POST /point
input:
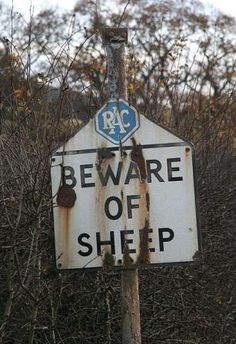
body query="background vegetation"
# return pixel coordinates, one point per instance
(181, 73)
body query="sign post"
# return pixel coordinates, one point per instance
(124, 192)
(115, 40)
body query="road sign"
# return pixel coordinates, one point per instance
(116, 121)
(123, 203)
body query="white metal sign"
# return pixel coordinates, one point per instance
(120, 204)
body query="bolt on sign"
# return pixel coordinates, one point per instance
(124, 193)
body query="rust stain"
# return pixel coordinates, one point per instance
(143, 191)
(108, 261)
(66, 196)
(104, 153)
(187, 151)
(137, 157)
(148, 201)
(104, 157)
(64, 215)
(143, 257)
(127, 260)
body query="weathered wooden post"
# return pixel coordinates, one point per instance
(115, 40)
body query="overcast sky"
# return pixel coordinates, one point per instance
(225, 6)
(22, 6)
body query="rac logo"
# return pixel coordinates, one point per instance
(116, 121)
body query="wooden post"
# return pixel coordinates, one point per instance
(115, 40)
(131, 333)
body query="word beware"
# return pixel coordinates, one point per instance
(88, 173)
